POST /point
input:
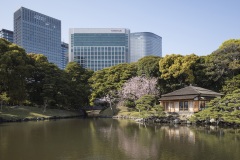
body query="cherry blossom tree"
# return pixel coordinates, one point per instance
(137, 87)
(110, 98)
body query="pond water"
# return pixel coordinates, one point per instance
(112, 139)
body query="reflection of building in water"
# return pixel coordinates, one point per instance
(180, 133)
(136, 144)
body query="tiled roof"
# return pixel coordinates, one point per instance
(192, 90)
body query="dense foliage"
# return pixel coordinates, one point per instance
(30, 79)
(108, 81)
(177, 71)
(222, 64)
(226, 109)
(148, 66)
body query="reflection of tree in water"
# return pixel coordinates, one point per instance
(135, 141)
(108, 139)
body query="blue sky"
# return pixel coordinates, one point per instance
(186, 26)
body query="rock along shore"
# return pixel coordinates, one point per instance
(176, 120)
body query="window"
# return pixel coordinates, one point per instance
(180, 106)
(186, 106)
(183, 106)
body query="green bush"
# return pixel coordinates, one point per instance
(129, 103)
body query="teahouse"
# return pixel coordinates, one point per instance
(187, 100)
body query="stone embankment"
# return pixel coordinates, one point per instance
(155, 119)
(178, 120)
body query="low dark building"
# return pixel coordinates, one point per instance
(6, 34)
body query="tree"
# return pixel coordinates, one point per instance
(137, 87)
(177, 70)
(35, 80)
(110, 98)
(3, 98)
(148, 66)
(78, 82)
(145, 103)
(159, 110)
(201, 79)
(110, 80)
(47, 84)
(225, 109)
(14, 69)
(223, 63)
(231, 85)
(52, 86)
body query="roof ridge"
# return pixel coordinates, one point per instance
(191, 90)
(194, 88)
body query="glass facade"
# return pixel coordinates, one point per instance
(38, 33)
(64, 48)
(6, 34)
(144, 44)
(96, 49)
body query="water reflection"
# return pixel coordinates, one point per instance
(179, 133)
(136, 142)
(90, 139)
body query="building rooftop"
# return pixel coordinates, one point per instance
(190, 92)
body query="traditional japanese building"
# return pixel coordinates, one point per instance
(189, 99)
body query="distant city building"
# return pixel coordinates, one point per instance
(64, 48)
(97, 48)
(144, 44)
(38, 33)
(6, 34)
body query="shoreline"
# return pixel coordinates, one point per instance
(64, 114)
(38, 119)
(137, 120)
(175, 121)
(28, 113)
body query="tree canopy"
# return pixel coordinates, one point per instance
(148, 66)
(222, 109)
(110, 79)
(177, 70)
(14, 69)
(223, 63)
(31, 79)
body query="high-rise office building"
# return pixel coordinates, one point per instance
(38, 33)
(64, 48)
(6, 34)
(144, 44)
(97, 48)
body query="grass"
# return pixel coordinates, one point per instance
(120, 111)
(123, 111)
(14, 113)
(108, 111)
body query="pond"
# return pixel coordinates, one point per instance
(112, 139)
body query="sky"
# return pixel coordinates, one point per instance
(186, 26)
